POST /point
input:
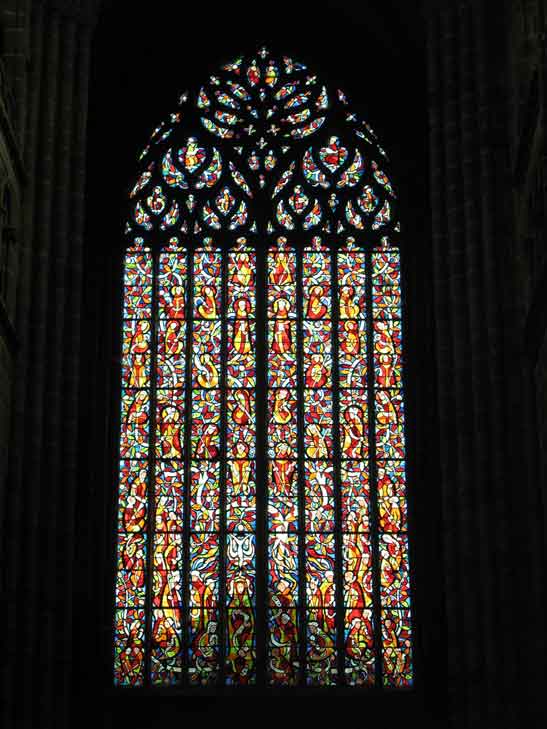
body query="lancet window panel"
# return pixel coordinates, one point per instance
(262, 510)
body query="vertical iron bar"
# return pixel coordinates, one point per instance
(337, 464)
(149, 577)
(261, 461)
(223, 535)
(301, 612)
(373, 474)
(185, 612)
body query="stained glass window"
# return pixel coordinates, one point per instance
(262, 509)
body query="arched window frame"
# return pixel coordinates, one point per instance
(367, 233)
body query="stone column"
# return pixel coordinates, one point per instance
(479, 346)
(42, 471)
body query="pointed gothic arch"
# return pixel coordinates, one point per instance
(262, 498)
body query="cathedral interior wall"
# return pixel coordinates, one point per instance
(457, 91)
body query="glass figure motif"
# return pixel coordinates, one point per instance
(283, 489)
(262, 526)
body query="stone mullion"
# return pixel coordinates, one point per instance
(444, 343)
(14, 508)
(54, 473)
(37, 379)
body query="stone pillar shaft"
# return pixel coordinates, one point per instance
(481, 407)
(43, 483)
